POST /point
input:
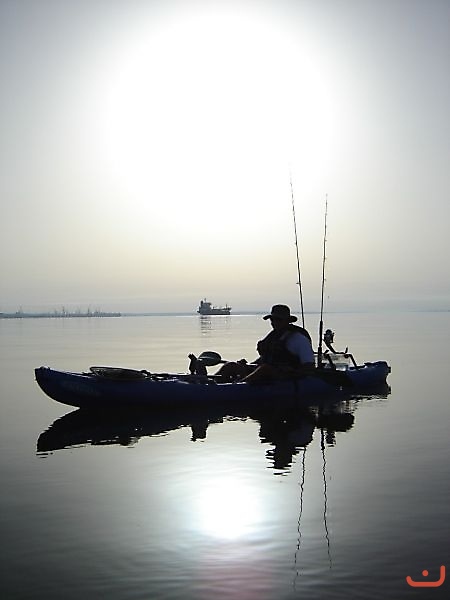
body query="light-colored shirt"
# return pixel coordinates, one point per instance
(300, 346)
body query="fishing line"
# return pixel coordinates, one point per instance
(299, 282)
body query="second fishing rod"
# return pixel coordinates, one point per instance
(319, 349)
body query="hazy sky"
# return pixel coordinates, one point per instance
(146, 149)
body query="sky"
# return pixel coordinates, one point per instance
(147, 151)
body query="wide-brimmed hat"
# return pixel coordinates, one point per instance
(281, 311)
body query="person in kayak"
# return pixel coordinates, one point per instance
(286, 351)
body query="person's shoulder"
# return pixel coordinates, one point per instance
(297, 330)
(298, 340)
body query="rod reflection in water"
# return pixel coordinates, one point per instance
(299, 522)
(325, 495)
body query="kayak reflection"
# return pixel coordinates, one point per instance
(285, 429)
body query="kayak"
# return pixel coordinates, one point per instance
(108, 388)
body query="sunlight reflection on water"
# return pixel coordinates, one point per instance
(228, 508)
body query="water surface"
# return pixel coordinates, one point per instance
(342, 505)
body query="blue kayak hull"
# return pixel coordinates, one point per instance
(93, 392)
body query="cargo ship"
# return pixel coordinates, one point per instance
(206, 308)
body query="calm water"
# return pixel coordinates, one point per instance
(174, 507)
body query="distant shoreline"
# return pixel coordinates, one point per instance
(60, 315)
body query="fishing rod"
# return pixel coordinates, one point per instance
(319, 350)
(298, 259)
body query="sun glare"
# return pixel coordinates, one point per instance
(204, 110)
(228, 508)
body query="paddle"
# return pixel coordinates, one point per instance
(210, 358)
(332, 376)
(198, 364)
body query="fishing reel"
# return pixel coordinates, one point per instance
(328, 336)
